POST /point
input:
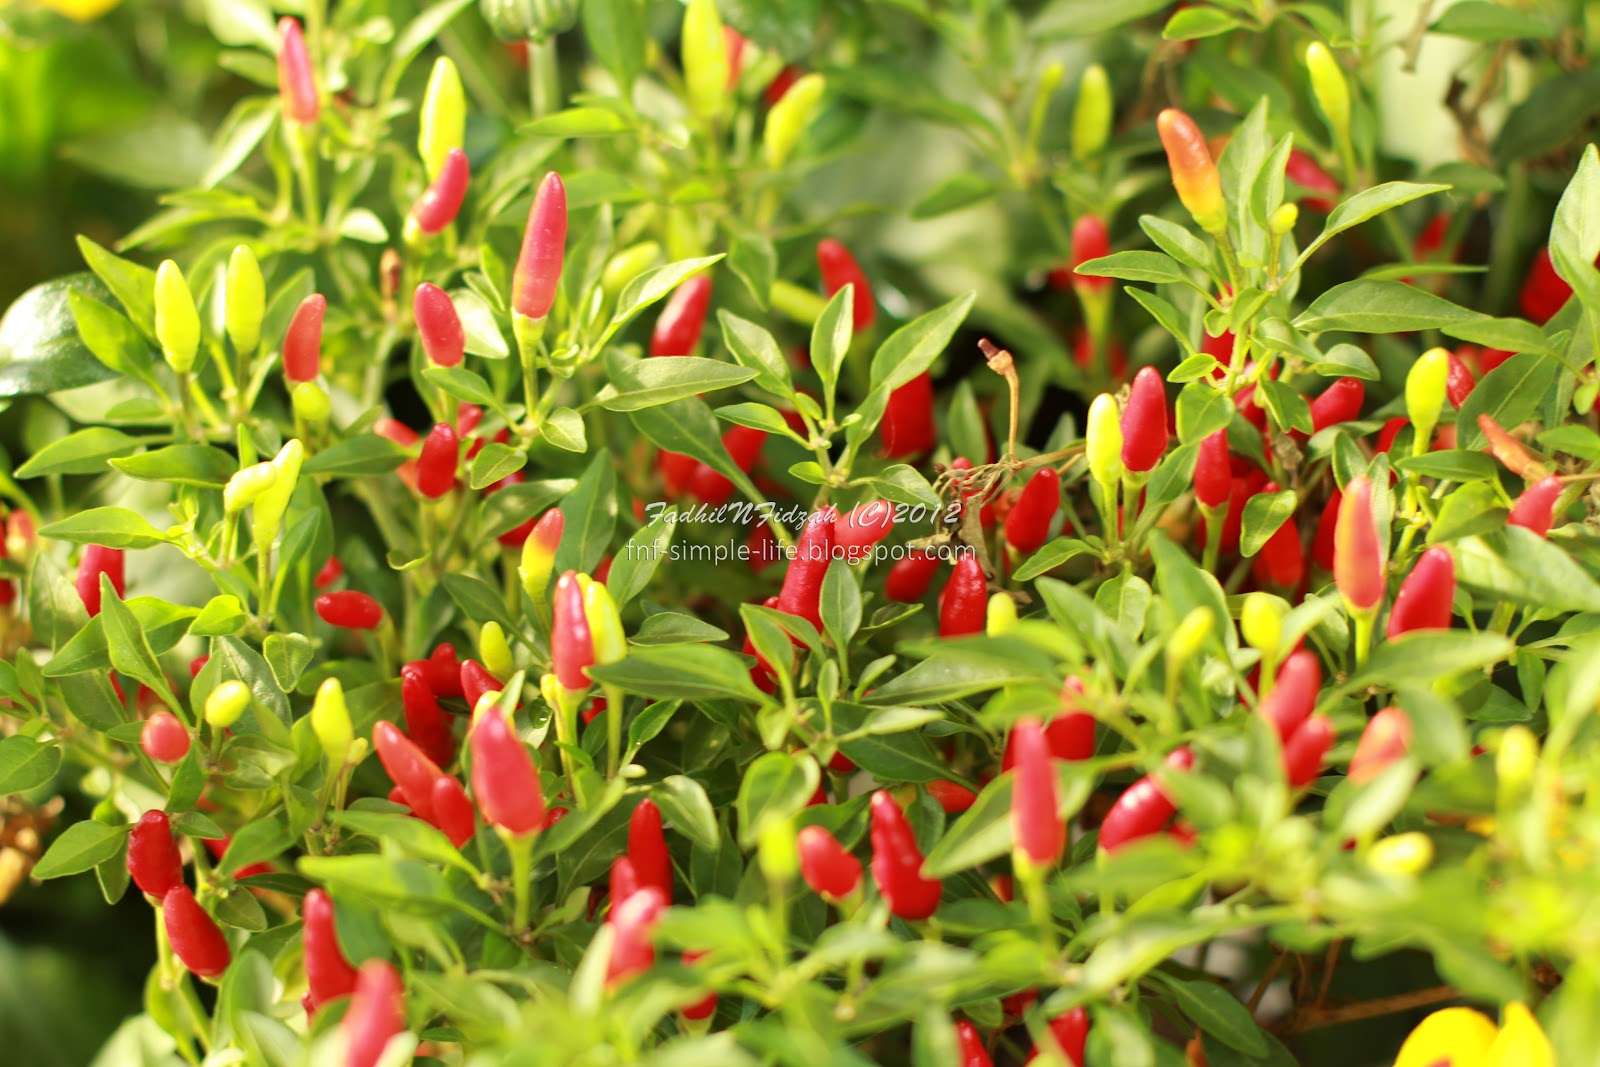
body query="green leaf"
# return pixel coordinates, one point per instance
(688, 427)
(110, 335)
(1575, 231)
(648, 382)
(1519, 566)
(615, 30)
(83, 452)
(954, 194)
(912, 348)
(1346, 361)
(564, 429)
(590, 511)
(1217, 1012)
(651, 286)
(754, 262)
(463, 385)
(1513, 335)
(577, 122)
(1363, 206)
(1452, 465)
(684, 803)
(495, 462)
(1510, 394)
(287, 655)
(260, 839)
(112, 527)
(40, 350)
(26, 763)
(81, 847)
(1051, 556)
(1427, 655)
(1087, 18)
(830, 337)
(477, 601)
(693, 672)
(1367, 306)
(1555, 108)
(753, 347)
(1480, 20)
(775, 787)
(632, 568)
(1192, 23)
(1135, 267)
(946, 677)
(363, 454)
(402, 884)
(200, 466)
(841, 603)
(983, 832)
(410, 835)
(1202, 411)
(1264, 513)
(222, 616)
(133, 284)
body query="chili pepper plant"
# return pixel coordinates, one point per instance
(740, 533)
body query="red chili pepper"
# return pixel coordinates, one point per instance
(1282, 560)
(1071, 1032)
(504, 777)
(1508, 449)
(302, 342)
(438, 325)
(908, 428)
(1071, 733)
(1306, 173)
(297, 86)
(1322, 541)
(196, 939)
(95, 561)
(969, 1047)
(897, 862)
(862, 527)
(571, 643)
(218, 847)
(1390, 431)
(164, 738)
(1535, 509)
(377, 1014)
(408, 767)
(910, 577)
(1083, 354)
(1340, 402)
(1358, 548)
(1294, 694)
(678, 329)
(964, 603)
(439, 204)
(1036, 827)
(953, 797)
(839, 269)
(1384, 742)
(762, 673)
(153, 858)
(544, 243)
(1459, 383)
(1028, 522)
(706, 1007)
(827, 867)
(329, 975)
(1305, 751)
(1142, 809)
(733, 43)
(197, 665)
(1213, 473)
(1194, 173)
(632, 948)
(647, 849)
(1544, 292)
(624, 881)
(329, 573)
(1425, 599)
(440, 669)
(677, 472)
(743, 445)
(779, 85)
(436, 467)
(349, 609)
(426, 722)
(762, 547)
(801, 593)
(1144, 421)
(1090, 240)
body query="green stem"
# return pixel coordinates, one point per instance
(521, 848)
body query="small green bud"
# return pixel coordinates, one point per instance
(1261, 622)
(177, 320)
(1002, 615)
(1401, 856)
(1425, 393)
(797, 304)
(273, 501)
(705, 58)
(330, 721)
(1514, 763)
(1189, 636)
(628, 264)
(1283, 219)
(1329, 87)
(1103, 440)
(244, 300)
(776, 851)
(226, 703)
(494, 650)
(1091, 115)
(310, 403)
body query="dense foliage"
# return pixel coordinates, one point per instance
(797, 533)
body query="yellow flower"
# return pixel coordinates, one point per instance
(1461, 1037)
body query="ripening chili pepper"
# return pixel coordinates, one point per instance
(226, 703)
(908, 428)
(964, 602)
(544, 242)
(953, 797)
(1425, 599)
(330, 722)
(1460, 382)
(624, 881)
(1322, 541)
(153, 860)
(302, 342)
(792, 101)
(1294, 694)
(633, 923)
(1036, 826)
(1359, 549)
(1305, 751)
(442, 670)
(1193, 171)
(1142, 809)
(436, 466)
(678, 329)
(1329, 88)
(377, 1014)
(1090, 240)
(1427, 385)
(163, 738)
(452, 810)
(1535, 509)
(1385, 741)
(244, 300)
(272, 502)
(970, 1051)
(862, 527)
(442, 121)
(1001, 615)
(1213, 473)
(827, 867)
(839, 269)
(1071, 1033)
(331, 572)
(426, 722)
(177, 320)
(1281, 562)
(1510, 451)
(1340, 402)
(329, 974)
(95, 561)
(706, 1006)
(475, 680)
(440, 202)
(1544, 292)
(297, 86)
(505, 779)
(196, 939)
(408, 767)
(647, 849)
(1028, 522)
(801, 593)
(1103, 440)
(1305, 172)
(897, 862)
(571, 643)
(1144, 422)
(1391, 431)
(539, 553)
(910, 577)
(349, 609)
